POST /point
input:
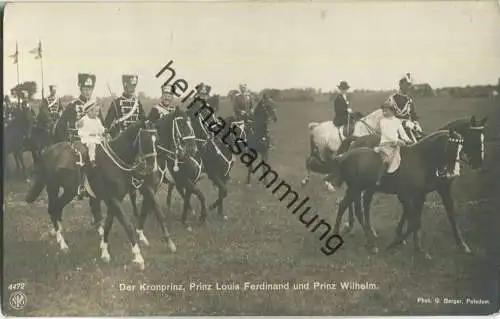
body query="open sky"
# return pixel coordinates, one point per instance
(280, 45)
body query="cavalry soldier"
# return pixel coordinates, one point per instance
(28, 114)
(50, 110)
(404, 105)
(243, 103)
(7, 110)
(75, 109)
(341, 105)
(125, 109)
(166, 105)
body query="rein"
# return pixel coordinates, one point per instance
(108, 150)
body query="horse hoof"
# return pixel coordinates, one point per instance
(189, 229)
(224, 217)
(65, 249)
(100, 231)
(193, 212)
(142, 238)
(465, 249)
(172, 246)
(404, 242)
(105, 258)
(304, 182)
(139, 262)
(373, 249)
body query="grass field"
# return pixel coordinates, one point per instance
(262, 241)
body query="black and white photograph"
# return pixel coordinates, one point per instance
(251, 158)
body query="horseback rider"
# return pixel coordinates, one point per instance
(341, 105)
(243, 103)
(166, 105)
(50, 110)
(90, 130)
(125, 109)
(29, 114)
(7, 110)
(75, 109)
(405, 106)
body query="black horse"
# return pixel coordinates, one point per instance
(254, 130)
(17, 133)
(418, 174)
(132, 153)
(472, 153)
(215, 152)
(179, 162)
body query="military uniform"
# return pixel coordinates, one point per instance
(124, 110)
(162, 109)
(76, 108)
(243, 103)
(50, 110)
(405, 106)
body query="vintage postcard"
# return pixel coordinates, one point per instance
(251, 158)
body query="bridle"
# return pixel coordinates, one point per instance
(464, 158)
(178, 148)
(140, 159)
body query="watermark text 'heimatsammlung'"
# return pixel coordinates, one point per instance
(332, 242)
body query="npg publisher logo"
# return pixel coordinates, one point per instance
(17, 300)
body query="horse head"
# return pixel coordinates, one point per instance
(176, 135)
(472, 131)
(441, 150)
(145, 144)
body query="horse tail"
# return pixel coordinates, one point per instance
(38, 186)
(312, 125)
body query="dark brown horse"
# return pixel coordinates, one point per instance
(472, 154)
(130, 154)
(418, 174)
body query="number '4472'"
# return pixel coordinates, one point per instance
(16, 286)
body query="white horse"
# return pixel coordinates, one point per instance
(326, 138)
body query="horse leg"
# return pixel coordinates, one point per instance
(149, 202)
(399, 228)
(95, 209)
(219, 203)
(105, 256)
(367, 201)
(133, 199)
(169, 195)
(445, 193)
(129, 229)
(21, 169)
(192, 189)
(186, 198)
(349, 197)
(413, 224)
(66, 197)
(417, 245)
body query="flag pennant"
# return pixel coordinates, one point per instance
(37, 51)
(15, 56)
